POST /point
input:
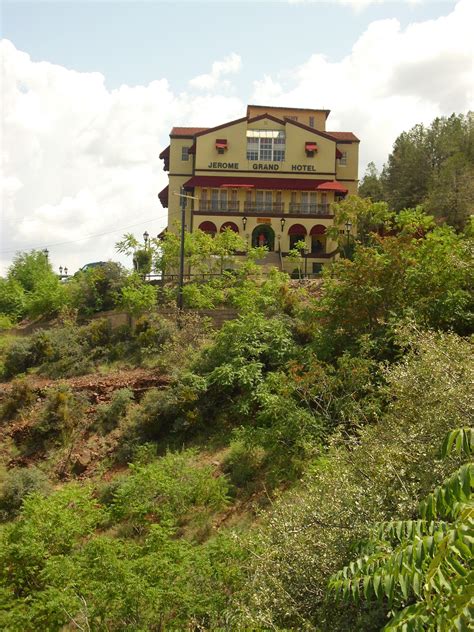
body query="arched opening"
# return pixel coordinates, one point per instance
(318, 239)
(208, 227)
(230, 225)
(263, 235)
(297, 233)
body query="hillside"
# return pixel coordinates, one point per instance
(174, 476)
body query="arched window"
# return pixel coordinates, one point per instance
(318, 239)
(208, 227)
(297, 233)
(230, 225)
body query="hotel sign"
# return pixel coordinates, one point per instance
(261, 166)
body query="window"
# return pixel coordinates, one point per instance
(184, 153)
(343, 158)
(311, 121)
(266, 145)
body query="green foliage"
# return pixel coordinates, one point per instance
(110, 414)
(371, 185)
(31, 287)
(168, 489)
(433, 165)
(136, 296)
(243, 463)
(426, 561)
(20, 397)
(12, 298)
(373, 475)
(429, 280)
(15, 485)
(96, 289)
(61, 412)
(365, 216)
(47, 526)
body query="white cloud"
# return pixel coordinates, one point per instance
(80, 160)
(392, 79)
(227, 66)
(360, 5)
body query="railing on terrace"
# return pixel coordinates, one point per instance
(309, 209)
(217, 206)
(277, 208)
(262, 207)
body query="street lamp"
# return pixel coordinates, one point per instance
(61, 270)
(244, 221)
(146, 236)
(46, 253)
(348, 226)
(65, 271)
(306, 252)
(282, 222)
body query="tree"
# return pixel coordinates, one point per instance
(142, 255)
(364, 215)
(422, 568)
(31, 287)
(371, 185)
(97, 289)
(434, 166)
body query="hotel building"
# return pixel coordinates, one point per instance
(271, 176)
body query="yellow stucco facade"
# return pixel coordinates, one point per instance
(271, 176)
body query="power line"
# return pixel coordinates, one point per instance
(74, 241)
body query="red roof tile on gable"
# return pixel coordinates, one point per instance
(186, 131)
(343, 135)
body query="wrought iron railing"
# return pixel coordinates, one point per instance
(217, 206)
(309, 209)
(263, 207)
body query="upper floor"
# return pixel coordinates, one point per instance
(288, 142)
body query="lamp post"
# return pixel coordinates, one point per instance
(65, 271)
(348, 226)
(60, 271)
(282, 223)
(244, 221)
(46, 253)
(146, 237)
(306, 251)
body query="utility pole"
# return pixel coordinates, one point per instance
(182, 202)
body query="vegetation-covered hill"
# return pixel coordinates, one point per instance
(306, 467)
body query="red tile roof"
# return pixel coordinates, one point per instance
(186, 131)
(343, 135)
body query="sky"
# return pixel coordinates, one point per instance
(90, 91)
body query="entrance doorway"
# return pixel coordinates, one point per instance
(263, 235)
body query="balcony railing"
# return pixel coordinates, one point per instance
(217, 206)
(274, 208)
(263, 207)
(309, 209)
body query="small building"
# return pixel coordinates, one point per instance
(271, 176)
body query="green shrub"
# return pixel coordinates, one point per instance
(168, 488)
(20, 396)
(61, 413)
(15, 485)
(243, 463)
(110, 414)
(18, 358)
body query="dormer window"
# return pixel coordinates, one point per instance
(266, 145)
(221, 145)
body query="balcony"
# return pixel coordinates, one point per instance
(216, 206)
(309, 209)
(275, 209)
(262, 207)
